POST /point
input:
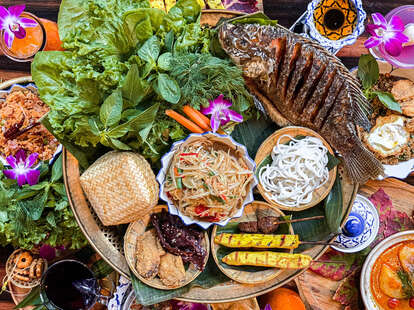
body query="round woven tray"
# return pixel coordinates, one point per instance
(108, 241)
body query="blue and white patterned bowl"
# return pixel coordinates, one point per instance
(334, 45)
(32, 87)
(166, 160)
(369, 213)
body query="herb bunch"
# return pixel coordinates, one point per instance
(32, 215)
(368, 74)
(203, 77)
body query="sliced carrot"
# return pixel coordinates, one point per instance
(201, 119)
(183, 121)
(197, 117)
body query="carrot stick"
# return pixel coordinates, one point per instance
(183, 121)
(197, 117)
(201, 119)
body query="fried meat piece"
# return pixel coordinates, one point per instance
(171, 271)
(148, 252)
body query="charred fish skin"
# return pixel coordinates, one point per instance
(301, 83)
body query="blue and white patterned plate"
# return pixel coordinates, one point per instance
(334, 45)
(32, 87)
(369, 213)
(166, 160)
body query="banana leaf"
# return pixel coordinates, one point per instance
(147, 295)
(253, 132)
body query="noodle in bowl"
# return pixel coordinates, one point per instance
(298, 168)
(207, 179)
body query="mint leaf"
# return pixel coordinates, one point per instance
(168, 88)
(119, 145)
(111, 109)
(93, 124)
(135, 89)
(50, 218)
(368, 71)
(169, 41)
(57, 171)
(387, 99)
(150, 50)
(164, 61)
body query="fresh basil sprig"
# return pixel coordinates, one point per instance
(368, 73)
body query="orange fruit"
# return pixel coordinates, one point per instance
(53, 42)
(282, 299)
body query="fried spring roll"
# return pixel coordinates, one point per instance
(258, 241)
(268, 259)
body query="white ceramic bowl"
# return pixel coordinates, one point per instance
(367, 297)
(166, 160)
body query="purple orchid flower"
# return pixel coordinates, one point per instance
(21, 168)
(390, 34)
(220, 112)
(13, 25)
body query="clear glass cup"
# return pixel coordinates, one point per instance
(25, 49)
(406, 58)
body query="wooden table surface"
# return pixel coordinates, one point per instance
(285, 11)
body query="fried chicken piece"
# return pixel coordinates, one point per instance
(148, 252)
(171, 271)
(403, 92)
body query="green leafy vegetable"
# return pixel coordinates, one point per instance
(407, 283)
(203, 77)
(37, 214)
(117, 64)
(388, 101)
(368, 73)
(333, 206)
(168, 88)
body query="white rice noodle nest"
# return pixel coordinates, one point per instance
(298, 169)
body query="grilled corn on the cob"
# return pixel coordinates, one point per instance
(268, 259)
(258, 241)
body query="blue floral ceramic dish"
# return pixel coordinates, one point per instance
(166, 160)
(356, 239)
(326, 8)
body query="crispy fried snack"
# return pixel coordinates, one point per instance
(149, 252)
(171, 271)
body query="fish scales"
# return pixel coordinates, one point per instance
(300, 83)
(300, 75)
(329, 102)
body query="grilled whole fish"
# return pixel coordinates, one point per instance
(300, 83)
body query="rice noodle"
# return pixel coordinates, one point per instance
(298, 169)
(206, 182)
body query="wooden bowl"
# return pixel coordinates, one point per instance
(138, 228)
(236, 273)
(266, 148)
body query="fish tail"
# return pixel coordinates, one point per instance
(362, 164)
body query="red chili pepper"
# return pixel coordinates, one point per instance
(189, 154)
(200, 209)
(411, 303)
(223, 197)
(211, 219)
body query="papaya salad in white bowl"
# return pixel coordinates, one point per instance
(207, 179)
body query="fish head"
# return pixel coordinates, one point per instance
(243, 44)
